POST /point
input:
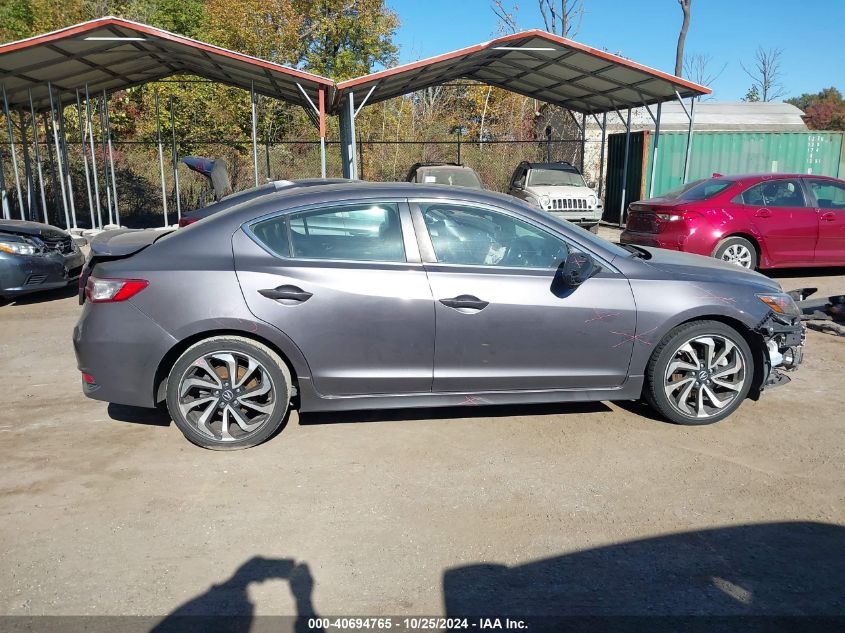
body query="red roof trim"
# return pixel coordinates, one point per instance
(85, 27)
(351, 83)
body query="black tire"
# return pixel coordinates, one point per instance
(657, 380)
(272, 366)
(737, 250)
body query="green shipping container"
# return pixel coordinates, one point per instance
(717, 152)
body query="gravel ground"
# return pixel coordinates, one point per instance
(594, 508)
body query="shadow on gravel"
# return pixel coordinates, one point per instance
(43, 296)
(743, 574)
(227, 607)
(138, 415)
(821, 271)
(450, 413)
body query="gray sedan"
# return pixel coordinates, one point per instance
(373, 296)
(36, 257)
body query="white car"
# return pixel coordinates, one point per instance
(559, 189)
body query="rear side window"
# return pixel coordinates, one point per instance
(273, 234)
(700, 190)
(361, 232)
(773, 193)
(829, 194)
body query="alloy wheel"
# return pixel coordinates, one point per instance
(705, 375)
(226, 395)
(738, 254)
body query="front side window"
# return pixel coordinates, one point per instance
(474, 236)
(539, 177)
(829, 194)
(773, 193)
(361, 232)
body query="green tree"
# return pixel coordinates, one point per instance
(753, 94)
(824, 110)
(346, 38)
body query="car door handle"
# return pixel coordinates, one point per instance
(827, 217)
(465, 301)
(763, 213)
(291, 293)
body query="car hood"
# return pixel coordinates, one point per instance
(678, 265)
(35, 229)
(561, 191)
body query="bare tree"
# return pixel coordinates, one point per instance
(563, 17)
(698, 68)
(682, 37)
(507, 17)
(766, 75)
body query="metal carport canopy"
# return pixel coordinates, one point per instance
(112, 54)
(535, 64)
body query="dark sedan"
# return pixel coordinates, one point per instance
(36, 257)
(371, 296)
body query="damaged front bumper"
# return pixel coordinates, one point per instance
(783, 337)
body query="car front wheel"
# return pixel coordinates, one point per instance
(699, 373)
(228, 392)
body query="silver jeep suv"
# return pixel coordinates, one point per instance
(559, 189)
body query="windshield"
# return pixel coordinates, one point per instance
(554, 178)
(698, 190)
(446, 176)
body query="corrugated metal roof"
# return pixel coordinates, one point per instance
(112, 54)
(535, 64)
(719, 116)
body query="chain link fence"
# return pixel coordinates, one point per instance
(141, 199)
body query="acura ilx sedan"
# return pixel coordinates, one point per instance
(372, 296)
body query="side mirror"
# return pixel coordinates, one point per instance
(577, 268)
(519, 184)
(592, 185)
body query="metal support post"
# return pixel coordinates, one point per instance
(160, 159)
(84, 153)
(10, 129)
(689, 139)
(111, 157)
(175, 159)
(71, 201)
(252, 101)
(104, 149)
(347, 138)
(654, 153)
(601, 152)
(625, 169)
(58, 149)
(37, 157)
(90, 125)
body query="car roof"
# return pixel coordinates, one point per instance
(766, 176)
(560, 165)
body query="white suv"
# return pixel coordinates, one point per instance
(559, 189)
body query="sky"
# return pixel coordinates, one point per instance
(811, 34)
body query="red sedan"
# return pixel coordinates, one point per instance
(754, 221)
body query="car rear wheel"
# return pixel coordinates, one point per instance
(737, 250)
(699, 373)
(228, 392)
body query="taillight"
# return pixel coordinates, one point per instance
(111, 290)
(183, 222)
(668, 217)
